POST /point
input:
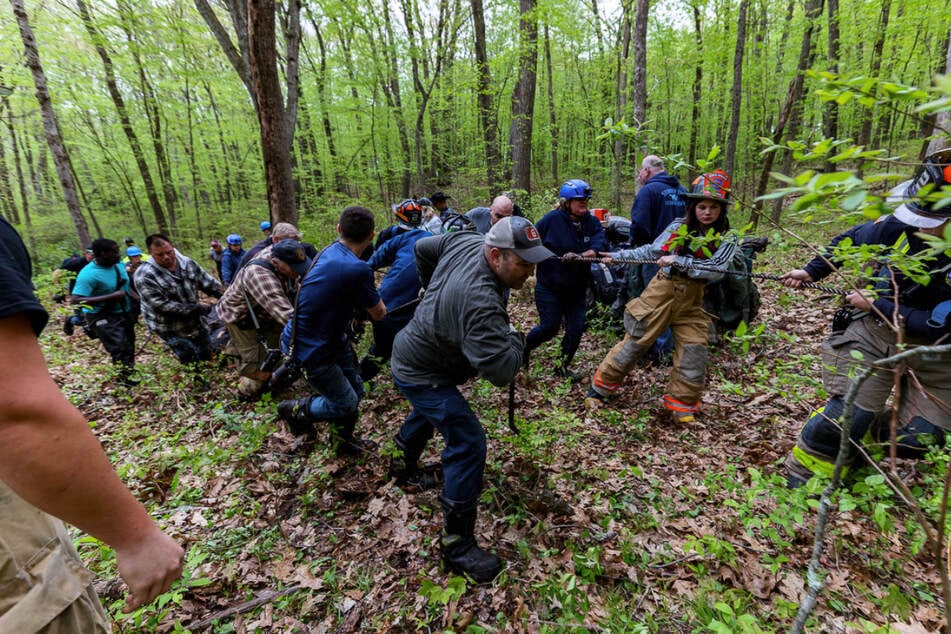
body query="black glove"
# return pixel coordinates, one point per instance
(204, 309)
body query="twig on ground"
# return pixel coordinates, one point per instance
(267, 597)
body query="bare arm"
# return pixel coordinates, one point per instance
(51, 459)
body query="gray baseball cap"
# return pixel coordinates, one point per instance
(519, 235)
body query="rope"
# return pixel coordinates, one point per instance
(699, 267)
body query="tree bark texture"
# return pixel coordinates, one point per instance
(793, 96)
(117, 99)
(523, 98)
(488, 120)
(275, 134)
(50, 124)
(736, 93)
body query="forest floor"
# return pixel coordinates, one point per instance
(610, 520)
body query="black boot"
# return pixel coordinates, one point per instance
(406, 470)
(562, 370)
(282, 378)
(296, 413)
(345, 442)
(460, 553)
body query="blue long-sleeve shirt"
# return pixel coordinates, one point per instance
(401, 283)
(562, 234)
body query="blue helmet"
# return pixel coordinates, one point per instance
(265, 225)
(234, 238)
(575, 188)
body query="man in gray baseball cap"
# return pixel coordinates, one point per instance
(460, 330)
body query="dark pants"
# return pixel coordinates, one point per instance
(553, 309)
(191, 349)
(338, 385)
(443, 408)
(116, 331)
(380, 350)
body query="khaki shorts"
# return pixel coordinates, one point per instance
(43, 584)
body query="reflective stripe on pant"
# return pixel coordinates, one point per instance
(666, 303)
(43, 584)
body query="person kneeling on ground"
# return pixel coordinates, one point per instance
(265, 286)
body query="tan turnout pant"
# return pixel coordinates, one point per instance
(667, 302)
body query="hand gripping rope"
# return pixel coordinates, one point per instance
(699, 267)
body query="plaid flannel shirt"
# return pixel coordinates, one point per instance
(167, 298)
(266, 288)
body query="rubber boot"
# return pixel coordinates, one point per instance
(296, 413)
(344, 441)
(460, 553)
(406, 470)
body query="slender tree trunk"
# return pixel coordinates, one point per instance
(8, 202)
(640, 62)
(275, 135)
(830, 113)
(697, 86)
(223, 185)
(620, 103)
(50, 124)
(488, 120)
(736, 95)
(199, 196)
(551, 110)
(793, 96)
(875, 65)
(111, 84)
(941, 136)
(523, 98)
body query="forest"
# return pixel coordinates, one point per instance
(201, 119)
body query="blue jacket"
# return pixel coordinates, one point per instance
(563, 235)
(658, 203)
(230, 263)
(401, 283)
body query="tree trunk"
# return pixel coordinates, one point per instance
(830, 113)
(8, 203)
(523, 97)
(942, 127)
(620, 104)
(97, 41)
(488, 120)
(153, 111)
(875, 65)
(551, 110)
(793, 96)
(640, 62)
(275, 134)
(697, 87)
(50, 124)
(736, 96)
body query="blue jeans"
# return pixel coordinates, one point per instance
(553, 309)
(339, 386)
(443, 408)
